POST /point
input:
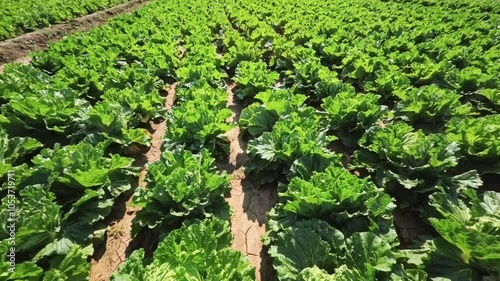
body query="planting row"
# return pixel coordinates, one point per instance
(18, 17)
(183, 202)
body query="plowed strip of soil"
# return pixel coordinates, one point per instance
(18, 47)
(118, 236)
(22, 60)
(250, 202)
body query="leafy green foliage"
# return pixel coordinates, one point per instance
(86, 179)
(307, 72)
(433, 64)
(23, 16)
(358, 66)
(293, 137)
(415, 160)
(315, 274)
(132, 269)
(312, 247)
(38, 218)
(72, 266)
(239, 49)
(193, 73)
(445, 262)
(478, 139)
(488, 100)
(341, 199)
(13, 151)
(145, 106)
(200, 122)
(253, 77)
(18, 78)
(84, 166)
(41, 235)
(261, 116)
(109, 120)
(351, 114)
(52, 110)
(430, 104)
(470, 225)
(180, 185)
(329, 85)
(389, 82)
(200, 64)
(28, 271)
(199, 250)
(306, 244)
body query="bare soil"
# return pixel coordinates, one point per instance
(19, 47)
(410, 227)
(250, 202)
(118, 236)
(21, 60)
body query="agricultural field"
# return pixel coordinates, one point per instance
(21, 16)
(261, 140)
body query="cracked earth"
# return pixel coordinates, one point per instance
(118, 236)
(249, 201)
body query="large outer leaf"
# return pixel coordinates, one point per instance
(369, 253)
(472, 225)
(261, 117)
(38, 218)
(307, 244)
(13, 149)
(446, 263)
(200, 122)
(430, 104)
(73, 266)
(26, 271)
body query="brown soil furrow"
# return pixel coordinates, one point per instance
(21, 60)
(249, 202)
(19, 47)
(118, 237)
(159, 130)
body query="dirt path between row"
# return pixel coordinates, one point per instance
(118, 237)
(249, 202)
(17, 49)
